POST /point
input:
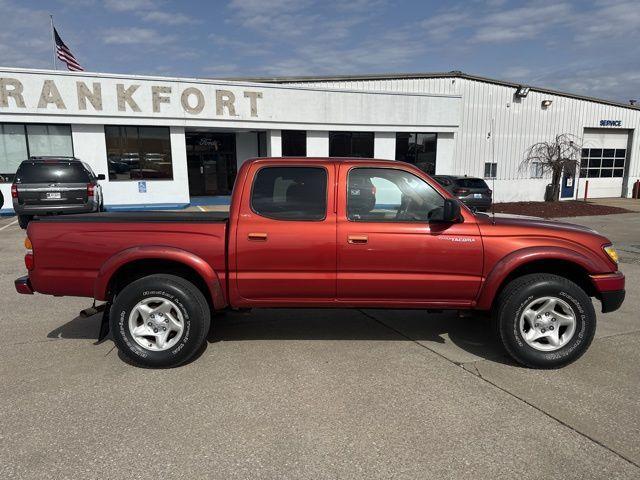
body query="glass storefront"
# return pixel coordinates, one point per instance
(18, 142)
(418, 149)
(138, 153)
(351, 144)
(211, 162)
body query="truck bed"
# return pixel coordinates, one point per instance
(139, 217)
(74, 251)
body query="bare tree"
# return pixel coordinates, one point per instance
(562, 154)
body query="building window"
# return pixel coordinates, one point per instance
(602, 162)
(290, 193)
(490, 169)
(294, 143)
(351, 144)
(418, 149)
(138, 153)
(18, 142)
(537, 170)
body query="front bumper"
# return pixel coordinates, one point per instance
(610, 290)
(23, 285)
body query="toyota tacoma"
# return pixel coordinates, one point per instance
(342, 233)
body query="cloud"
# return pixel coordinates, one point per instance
(167, 18)
(133, 36)
(128, 5)
(520, 23)
(25, 38)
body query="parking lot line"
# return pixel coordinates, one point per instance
(9, 224)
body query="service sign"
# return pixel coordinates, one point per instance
(610, 123)
(99, 98)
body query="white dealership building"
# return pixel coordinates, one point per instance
(167, 142)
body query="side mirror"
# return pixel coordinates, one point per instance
(101, 176)
(448, 213)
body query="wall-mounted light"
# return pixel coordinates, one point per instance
(522, 91)
(546, 103)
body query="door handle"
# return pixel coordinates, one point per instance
(357, 239)
(258, 236)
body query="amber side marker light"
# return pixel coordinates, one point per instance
(611, 253)
(29, 261)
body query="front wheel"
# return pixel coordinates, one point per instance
(159, 321)
(545, 321)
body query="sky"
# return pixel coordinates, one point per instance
(589, 47)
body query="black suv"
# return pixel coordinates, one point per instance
(53, 185)
(474, 192)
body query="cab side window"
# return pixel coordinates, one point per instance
(390, 195)
(290, 193)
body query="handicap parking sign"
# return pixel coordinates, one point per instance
(142, 187)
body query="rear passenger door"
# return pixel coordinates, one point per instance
(286, 235)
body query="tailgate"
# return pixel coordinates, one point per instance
(52, 194)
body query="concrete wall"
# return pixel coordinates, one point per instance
(384, 146)
(246, 146)
(317, 143)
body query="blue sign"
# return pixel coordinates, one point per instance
(142, 187)
(610, 123)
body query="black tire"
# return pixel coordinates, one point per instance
(23, 221)
(521, 292)
(188, 299)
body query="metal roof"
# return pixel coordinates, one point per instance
(406, 76)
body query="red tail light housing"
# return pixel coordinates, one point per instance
(460, 191)
(14, 190)
(90, 189)
(29, 261)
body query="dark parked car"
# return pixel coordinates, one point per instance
(474, 192)
(54, 185)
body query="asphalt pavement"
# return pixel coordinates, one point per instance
(296, 394)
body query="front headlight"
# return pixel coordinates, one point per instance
(611, 252)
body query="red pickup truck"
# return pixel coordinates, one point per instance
(310, 232)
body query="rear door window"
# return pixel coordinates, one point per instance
(290, 193)
(471, 183)
(54, 172)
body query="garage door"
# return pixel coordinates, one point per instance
(604, 154)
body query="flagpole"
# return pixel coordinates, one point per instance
(53, 39)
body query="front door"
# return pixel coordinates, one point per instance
(388, 250)
(568, 181)
(286, 234)
(211, 163)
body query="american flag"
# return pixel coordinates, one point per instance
(65, 55)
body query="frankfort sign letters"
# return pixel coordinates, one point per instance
(90, 96)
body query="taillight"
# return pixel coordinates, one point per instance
(29, 261)
(489, 191)
(90, 189)
(373, 190)
(14, 190)
(460, 191)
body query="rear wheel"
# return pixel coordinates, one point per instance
(159, 321)
(545, 321)
(23, 221)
